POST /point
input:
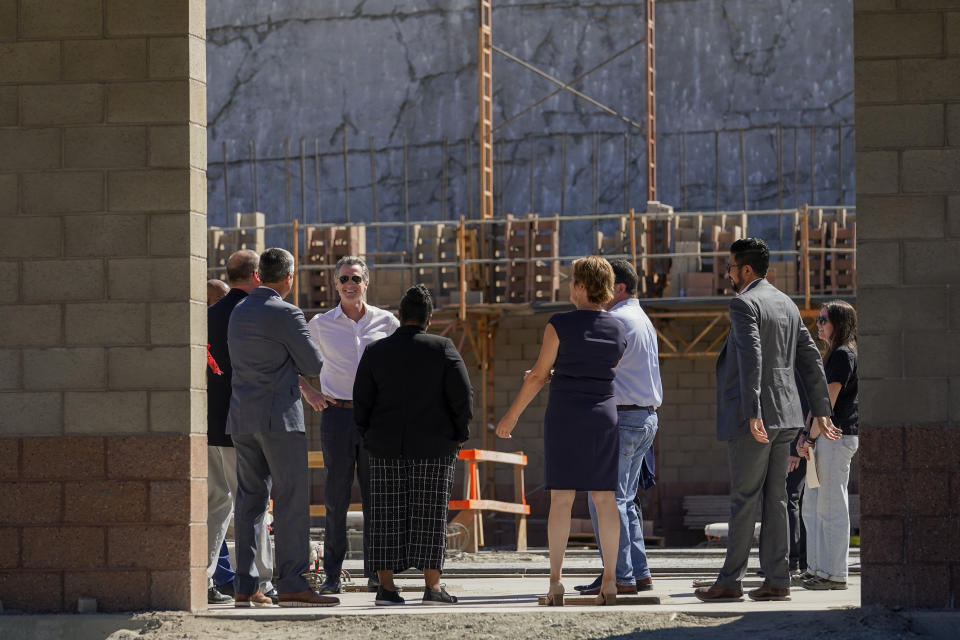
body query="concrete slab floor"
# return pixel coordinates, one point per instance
(519, 595)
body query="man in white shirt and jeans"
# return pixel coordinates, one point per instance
(637, 388)
(341, 335)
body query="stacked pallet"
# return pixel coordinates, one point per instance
(523, 278)
(248, 233)
(324, 247)
(831, 271)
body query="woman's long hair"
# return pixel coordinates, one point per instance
(843, 317)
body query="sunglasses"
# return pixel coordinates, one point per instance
(355, 278)
(821, 320)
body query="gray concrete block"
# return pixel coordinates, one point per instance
(62, 104)
(105, 147)
(64, 368)
(931, 353)
(900, 34)
(150, 368)
(30, 414)
(892, 309)
(62, 192)
(10, 377)
(953, 215)
(878, 172)
(29, 148)
(931, 262)
(31, 325)
(178, 411)
(113, 59)
(106, 323)
(929, 79)
(899, 217)
(882, 401)
(901, 125)
(879, 263)
(880, 355)
(9, 106)
(63, 280)
(930, 171)
(875, 81)
(9, 282)
(102, 412)
(54, 19)
(107, 235)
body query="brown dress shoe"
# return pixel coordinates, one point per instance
(766, 592)
(716, 593)
(244, 600)
(644, 584)
(307, 598)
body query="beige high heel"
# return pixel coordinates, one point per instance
(606, 598)
(555, 595)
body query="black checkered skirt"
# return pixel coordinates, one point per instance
(408, 512)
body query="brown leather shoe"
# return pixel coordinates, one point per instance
(644, 584)
(622, 589)
(244, 600)
(307, 598)
(766, 592)
(716, 593)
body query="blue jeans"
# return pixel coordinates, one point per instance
(637, 431)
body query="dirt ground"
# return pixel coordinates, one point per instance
(842, 624)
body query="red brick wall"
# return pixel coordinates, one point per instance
(910, 501)
(119, 519)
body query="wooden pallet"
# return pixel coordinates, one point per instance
(592, 600)
(325, 246)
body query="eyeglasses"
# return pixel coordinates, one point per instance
(821, 320)
(732, 265)
(355, 278)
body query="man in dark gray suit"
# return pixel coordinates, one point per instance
(270, 348)
(758, 414)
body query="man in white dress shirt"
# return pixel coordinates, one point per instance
(341, 335)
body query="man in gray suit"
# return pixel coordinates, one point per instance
(758, 414)
(270, 348)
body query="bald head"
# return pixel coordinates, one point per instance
(242, 269)
(216, 289)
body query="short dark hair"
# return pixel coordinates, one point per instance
(241, 265)
(351, 260)
(625, 273)
(754, 252)
(275, 265)
(416, 305)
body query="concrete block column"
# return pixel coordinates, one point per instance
(907, 72)
(102, 300)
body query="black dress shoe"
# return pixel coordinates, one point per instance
(215, 597)
(330, 586)
(593, 586)
(226, 588)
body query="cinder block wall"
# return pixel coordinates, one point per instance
(102, 301)
(907, 69)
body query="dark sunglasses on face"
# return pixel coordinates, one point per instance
(821, 320)
(357, 279)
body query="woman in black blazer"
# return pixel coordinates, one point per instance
(412, 402)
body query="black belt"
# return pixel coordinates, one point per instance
(634, 407)
(343, 404)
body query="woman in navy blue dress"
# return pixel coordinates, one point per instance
(581, 440)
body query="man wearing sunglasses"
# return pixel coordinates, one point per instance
(759, 415)
(342, 334)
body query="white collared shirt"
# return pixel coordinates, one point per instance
(341, 342)
(637, 377)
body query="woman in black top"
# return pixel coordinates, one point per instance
(412, 403)
(826, 509)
